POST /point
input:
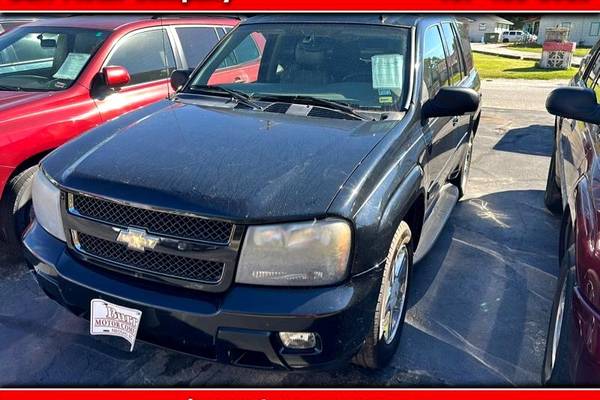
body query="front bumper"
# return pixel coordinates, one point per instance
(238, 327)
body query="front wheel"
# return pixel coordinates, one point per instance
(382, 342)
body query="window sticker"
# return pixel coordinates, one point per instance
(387, 71)
(72, 65)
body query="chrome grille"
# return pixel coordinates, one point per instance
(150, 261)
(157, 222)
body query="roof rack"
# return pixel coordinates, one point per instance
(203, 14)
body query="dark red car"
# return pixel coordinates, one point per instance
(573, 190)
(60, 77)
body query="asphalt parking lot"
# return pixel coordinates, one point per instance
(479, 302)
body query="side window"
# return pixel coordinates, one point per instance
(453, 54)
(435, 69)
(147, 56)
(463, 31)
(593, 70)
(196, 43)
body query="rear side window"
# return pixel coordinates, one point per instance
(463, 32)
(147, 56)
(435, 69)
(453, 54)
(594, 66)
(196, 43)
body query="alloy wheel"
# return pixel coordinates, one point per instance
(395, 299)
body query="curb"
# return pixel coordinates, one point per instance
(525, 56)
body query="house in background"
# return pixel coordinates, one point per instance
(479, 25)
(584, 29)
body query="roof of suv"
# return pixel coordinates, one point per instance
(371, 19)
(114, 22)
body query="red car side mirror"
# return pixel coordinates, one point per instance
(115, 76)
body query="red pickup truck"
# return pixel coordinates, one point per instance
(60, 77)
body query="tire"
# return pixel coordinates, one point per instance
(555, 368)
(382, 342)
(15, 209)
(505, 40)
(462, 179)
(552, 195)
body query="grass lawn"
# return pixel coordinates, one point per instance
(502, 67)
(536, 48)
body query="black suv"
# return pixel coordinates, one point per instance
(268, 216)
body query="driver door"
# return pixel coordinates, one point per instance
(148, 57)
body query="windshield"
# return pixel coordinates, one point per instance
(362, 66)
(45, 59)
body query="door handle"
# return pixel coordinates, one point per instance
(238, 79)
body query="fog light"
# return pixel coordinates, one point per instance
(298, 340)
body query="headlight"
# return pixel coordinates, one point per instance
(46, 205)
(296, 254)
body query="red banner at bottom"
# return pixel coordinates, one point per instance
(296, 394)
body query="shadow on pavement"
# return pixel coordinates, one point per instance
(532, 139)
(486, 291)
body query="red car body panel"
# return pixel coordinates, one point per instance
(34, 123)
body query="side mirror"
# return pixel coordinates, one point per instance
(451, 101)
(574, 103)
(179, 77)
(115, 76)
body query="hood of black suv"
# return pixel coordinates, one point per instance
(234, 164)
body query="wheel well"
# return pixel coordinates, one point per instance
(30, 162)
(414, 218)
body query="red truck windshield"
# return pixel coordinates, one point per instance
(45, 59)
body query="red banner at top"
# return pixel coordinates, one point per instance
(247, 6)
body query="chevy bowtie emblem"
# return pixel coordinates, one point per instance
(137, 239)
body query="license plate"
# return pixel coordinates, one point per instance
(114, 320)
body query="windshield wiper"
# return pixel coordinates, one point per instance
(313, 101)
(238, 95)
(11, 88)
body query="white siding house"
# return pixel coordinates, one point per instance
(479, 25)
(584, 28)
